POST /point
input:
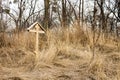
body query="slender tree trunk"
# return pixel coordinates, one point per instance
(104, 26)
(82, 12)
(1, 16)
(79, 12)
(119, 10)
(64, 16)
(46, 22)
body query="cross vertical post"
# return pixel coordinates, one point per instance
(37, 40)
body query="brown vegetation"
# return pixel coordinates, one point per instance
(65, 54)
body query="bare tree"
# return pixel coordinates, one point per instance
(64, 14)
(82, 12)
(1, 16)
(119, 10)
(20, 18)
(47, 14)
(79, 11)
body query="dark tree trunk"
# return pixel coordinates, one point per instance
(102, 14)
(46, 22)
(119, 10)
(1, 16)
(82, 12)
(64, 16)
(79, 12)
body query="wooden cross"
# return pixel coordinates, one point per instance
(36, 28)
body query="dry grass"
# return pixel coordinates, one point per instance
(65, 54)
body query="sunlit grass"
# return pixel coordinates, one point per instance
(63, 47)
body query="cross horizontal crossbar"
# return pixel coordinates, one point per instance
(37, 31)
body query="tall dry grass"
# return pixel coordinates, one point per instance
(63, 47)
(59, 40)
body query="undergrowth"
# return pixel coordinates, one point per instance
(61, 46)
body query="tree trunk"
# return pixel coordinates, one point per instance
(102, 14)
(119, 10)
(64, 16)
(82, 12)
(1, 16)
(79, 12)
(46, 22)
